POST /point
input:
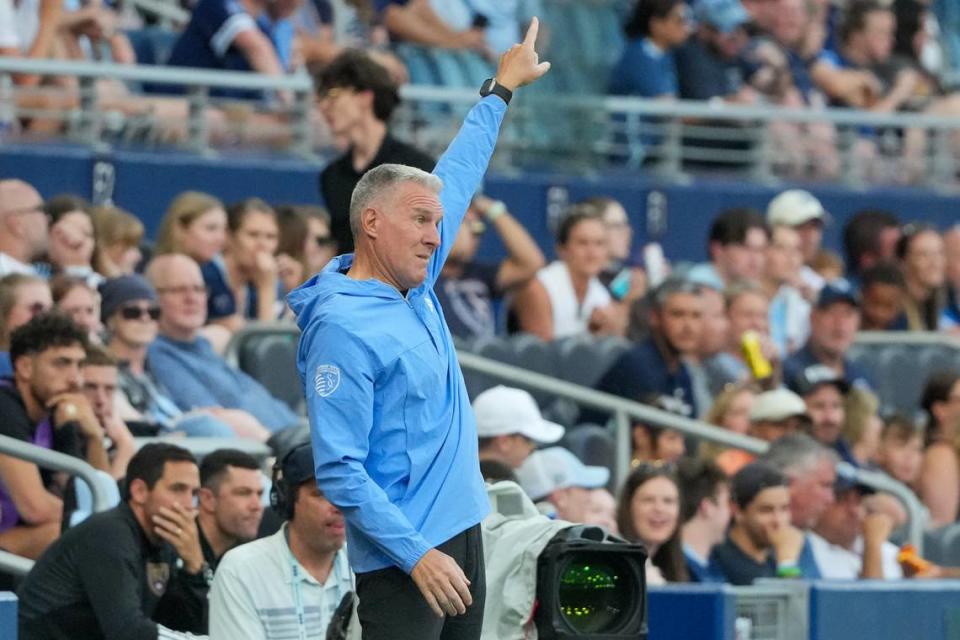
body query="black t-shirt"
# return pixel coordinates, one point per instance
(339, 178)
(737, 568)
(103, 579)
(467, 301)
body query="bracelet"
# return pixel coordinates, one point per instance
(495, 210)
(788, 571)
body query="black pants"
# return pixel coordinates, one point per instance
(392, 607)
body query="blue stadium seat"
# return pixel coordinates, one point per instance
(419, 64)
(152, 45)
(594, 445)
(268, 353)
(584, 359)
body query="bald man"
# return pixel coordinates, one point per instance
(23, 227)
(183, 361)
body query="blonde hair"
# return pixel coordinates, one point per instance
(185, 208)
(113, 226)
(859, 406)
(718, 411)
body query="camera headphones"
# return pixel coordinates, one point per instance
(281, 499)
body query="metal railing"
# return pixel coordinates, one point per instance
(201, 447)
(624, 410)
(585, 133)
(48, 459)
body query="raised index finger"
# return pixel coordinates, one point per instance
(532, 30)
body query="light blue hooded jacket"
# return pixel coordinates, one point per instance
(394, 438)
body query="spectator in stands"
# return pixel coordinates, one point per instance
(622, 276)
(920, 252)
(43, 405)
(357, 96)
(229, 509)
(71, 238)
(654, 443)
(647, 67)
(417, 22)
(761, 542)
(649, 513)
(467, 287)
(828, 265)
(602, 511)
(824, 393)
(869, 238)
(100, 387)
(714, 337)
(655, 367)
(862, 426)
(252, 595)
(184, 362)
(130, 313)
(774, 414)
(23, 223)
(950, 320)
(748, 311)
(243, 284)
(803, 211)
(732, 408)
(883, 290)
(195, 224)
(225, 35)
(567, 298)
(510, 426)
(834, 322)
(850, 540)
(75, 297)
(22, 296)
(707, 65)
(810, 469)
(305, 245)
(901, 450)
(737, 248)
(705, 514)
(105, 577)
(939, 485)
(30, 30)
(558, 479)
(789, 311)
(118, 235)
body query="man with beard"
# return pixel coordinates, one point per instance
(43, 405)
(293, 579)
(656, 367)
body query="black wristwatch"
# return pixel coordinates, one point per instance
(490, 86)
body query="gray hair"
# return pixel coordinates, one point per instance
(380, 179)
(670, 287)
(797, 453)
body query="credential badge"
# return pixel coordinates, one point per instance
(326, 380)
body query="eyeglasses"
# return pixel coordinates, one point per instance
(323, 241)
(136, 312)
(183, 290)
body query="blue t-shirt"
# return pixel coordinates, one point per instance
(281, 35)
(221, 303)
(644, 70)
(703, 75)
(196, 377)
(6, 366)
(793, 367)
(467, 301)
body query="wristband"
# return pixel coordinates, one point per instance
(788, 571)
(495, 210)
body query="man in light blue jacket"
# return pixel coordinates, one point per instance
(394, 439)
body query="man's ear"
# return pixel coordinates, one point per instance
(139, 491)
(23, 367)
(370, 220)
(207, 499)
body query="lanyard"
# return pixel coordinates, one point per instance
(297, 593)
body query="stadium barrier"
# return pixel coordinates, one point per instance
(202, 447)
(673, 139)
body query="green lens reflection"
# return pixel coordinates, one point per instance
(593, 595)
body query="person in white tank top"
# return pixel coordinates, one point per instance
(567, 298)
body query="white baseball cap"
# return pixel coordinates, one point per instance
(794, 207)
(504, 410)
(776, 405)
(547, 470)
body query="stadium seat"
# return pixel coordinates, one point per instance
(152, 45)
(268, 353)
(594, 445)
(584, 359)
(419, 64)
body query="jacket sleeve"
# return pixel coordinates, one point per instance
(461, 168)
(339, 375)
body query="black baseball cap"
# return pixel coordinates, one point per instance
(297, 465)
(813, 377)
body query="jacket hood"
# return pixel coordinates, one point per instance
(332, 280)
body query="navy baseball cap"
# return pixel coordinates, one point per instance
(298, 465)
(839, 290)
(813, 377)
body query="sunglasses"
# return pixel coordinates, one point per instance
(137, 312)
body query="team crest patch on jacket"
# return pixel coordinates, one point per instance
(326, 380)
(158, 573)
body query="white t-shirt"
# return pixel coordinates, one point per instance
(8, 27)
(9, 264)
(837, 563)
(254, 593)
(569, 316)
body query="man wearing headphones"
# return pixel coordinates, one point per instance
(294, 578)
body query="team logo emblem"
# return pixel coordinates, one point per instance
(158, 573)
(326, 380)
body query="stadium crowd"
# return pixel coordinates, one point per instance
(106, 335)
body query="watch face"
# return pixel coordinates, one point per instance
(488, 85)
